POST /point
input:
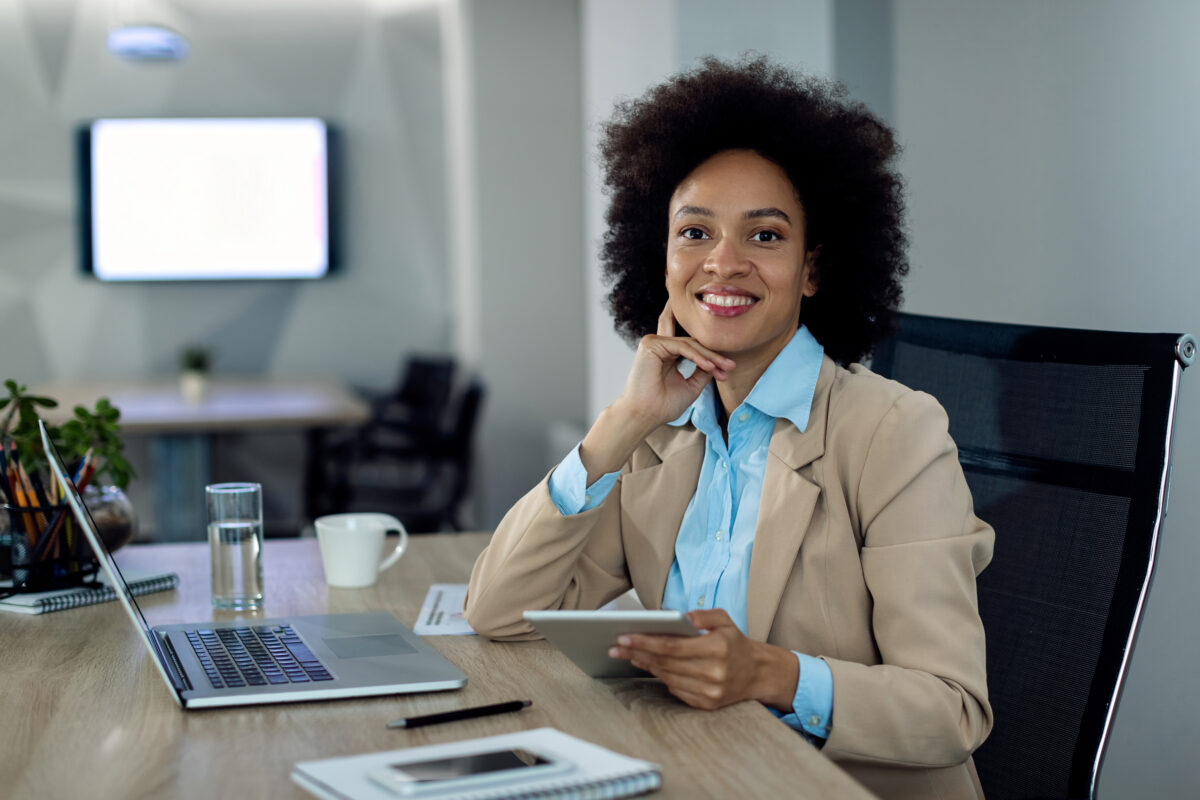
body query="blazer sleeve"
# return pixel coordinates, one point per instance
(922, 547)
(540, 559)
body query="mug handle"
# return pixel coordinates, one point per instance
(393, 524)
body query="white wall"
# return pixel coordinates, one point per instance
(628, 46)
(520, 261)
(1051, 164)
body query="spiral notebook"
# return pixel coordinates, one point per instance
(76, 596)
(576, 769)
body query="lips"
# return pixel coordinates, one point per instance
(726, 303)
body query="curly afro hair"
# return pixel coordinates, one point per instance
(838, 156)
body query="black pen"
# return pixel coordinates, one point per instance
(462, 713)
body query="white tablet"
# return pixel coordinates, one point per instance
(585, 636)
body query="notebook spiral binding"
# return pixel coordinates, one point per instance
(103, 594)
(622, 786)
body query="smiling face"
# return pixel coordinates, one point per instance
(737, 268)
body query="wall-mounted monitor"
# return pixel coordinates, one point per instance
(206, 199)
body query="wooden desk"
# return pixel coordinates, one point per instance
(86, 715)
(180, 450)
(151, 407)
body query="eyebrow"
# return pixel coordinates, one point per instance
(755, 213)
(768, 212)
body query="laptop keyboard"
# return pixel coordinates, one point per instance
(259, 655)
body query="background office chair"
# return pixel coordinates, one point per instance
(416, 408)
(1064, 436)
(420, 475)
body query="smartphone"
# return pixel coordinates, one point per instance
(463, 772)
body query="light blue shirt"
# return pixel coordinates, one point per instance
(716, 538)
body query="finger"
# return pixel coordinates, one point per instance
(694, 690)
(700, 379)
(690, 684)
(710, 619)
(657, 644)
(689, 655)
(696, 699)
(671, 348)
(666, 321)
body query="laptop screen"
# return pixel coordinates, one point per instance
(88, 525)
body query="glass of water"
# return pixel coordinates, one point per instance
(235, 541)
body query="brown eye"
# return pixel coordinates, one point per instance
(693, 233)
(766, 236)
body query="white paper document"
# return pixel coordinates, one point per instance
(441, 613)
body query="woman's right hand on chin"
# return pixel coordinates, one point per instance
(655, 393)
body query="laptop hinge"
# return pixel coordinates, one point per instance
(174, 666)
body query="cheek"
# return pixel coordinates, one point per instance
(675, 274)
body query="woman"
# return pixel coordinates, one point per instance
(810, 516)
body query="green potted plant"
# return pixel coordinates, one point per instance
(90, 443)
(194, 363)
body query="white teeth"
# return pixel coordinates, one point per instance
(727, 299)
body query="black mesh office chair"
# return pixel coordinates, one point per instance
(422, 480)
(1065, 438)
(416, 408)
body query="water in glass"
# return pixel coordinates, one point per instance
(237, 575)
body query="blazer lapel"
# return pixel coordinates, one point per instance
(786, 508)
(653, 499)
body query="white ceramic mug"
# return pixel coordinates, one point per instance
(351, 545)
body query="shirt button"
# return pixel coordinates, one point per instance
(587, 498)
(814, 721)
(718, 536)
(724, 466)
(700, 602)
(742, 417)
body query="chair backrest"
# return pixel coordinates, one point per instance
(1064, 436)
(425, 384)
(461, 439)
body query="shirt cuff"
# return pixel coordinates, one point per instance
(812, 707)
(569, 489)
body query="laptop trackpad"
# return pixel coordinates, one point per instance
(386, 644)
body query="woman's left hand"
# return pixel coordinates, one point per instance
(716, 669)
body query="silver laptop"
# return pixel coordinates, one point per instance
(245, 662)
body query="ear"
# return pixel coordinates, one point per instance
(812, 278)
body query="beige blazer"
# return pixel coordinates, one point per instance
(865, 554)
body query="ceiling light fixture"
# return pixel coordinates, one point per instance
(147, 43)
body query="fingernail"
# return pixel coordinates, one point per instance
(614, 652)
(624, 641)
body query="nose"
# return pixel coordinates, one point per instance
(725, 259)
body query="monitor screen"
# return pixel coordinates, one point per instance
(206, 199)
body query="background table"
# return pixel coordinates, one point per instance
(86, 715)
(181, 431)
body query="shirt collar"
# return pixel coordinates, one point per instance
(785, 389)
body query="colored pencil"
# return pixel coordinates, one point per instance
(14, 476)
(87, 476)
(10, 497)
(30, 494)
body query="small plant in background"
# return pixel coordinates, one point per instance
(195, 358)
(96, 430)
(194, 363)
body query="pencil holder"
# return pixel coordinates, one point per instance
(41, 548)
